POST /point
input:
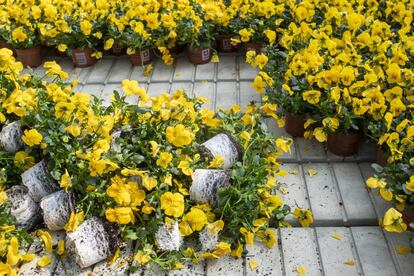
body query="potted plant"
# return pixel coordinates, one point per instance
(195, 30)
(255, 25)
(80, 33)
(25, 41)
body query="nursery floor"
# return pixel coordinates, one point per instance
(336, 194)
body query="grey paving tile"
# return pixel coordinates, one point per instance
(100, 71)
(225, 266)
(358, 206)
(268, 259)
(156, 89)
(381, 206)
(107, 92)
(184, 70)
(206, 90)
(334, 253)
(248, 94)
(186, 86)
(81, 74)
(226, 95)
(227, 68)
(205, 72)
(161, 72)
(66, 65)
(300, 249)
(138, 74)
(404, 263)
(93, 89)
(324, 199)
(310, 150)
(374, 254)
(296, 192)
(68, 267)
(120, 70)
(246, 72)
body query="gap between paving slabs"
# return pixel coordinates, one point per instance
(336, 194)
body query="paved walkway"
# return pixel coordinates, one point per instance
(336, 194)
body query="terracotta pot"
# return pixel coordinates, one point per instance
(380, 157)
(117, 50)
(294, 124)
(4, 44)
(408, 217)
(177, 49)
(29, 57)
(199, 55)
(141, 57)
(250, 46)
(83, 57)
(224, 44)
(344, 144)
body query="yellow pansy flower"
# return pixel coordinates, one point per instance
(179, 135)
(393, 221)
(172, 204)
(32, 137)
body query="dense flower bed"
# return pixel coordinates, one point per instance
(145, 168)
(346, 67)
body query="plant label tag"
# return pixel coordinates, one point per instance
(145, 55)
(205, 54)
(80, 58)
(226, 44)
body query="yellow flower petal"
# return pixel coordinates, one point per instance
(44, 261)
(312, 172)
(253, 264)
(402, 250)
(336, 236)
(349, 262)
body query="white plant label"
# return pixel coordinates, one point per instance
(145, 55)
(226, 44)
(205, 54)
(80, 58)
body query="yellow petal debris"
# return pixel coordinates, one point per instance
(294, 172)
(402, 250)
(301, 270)
(44, 261)
(253, 265)
(336, 236)
(349, 262)
(312, 172)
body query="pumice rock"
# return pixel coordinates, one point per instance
(11, 137)
(169, 239)
(93, 241)
(225, 146)
(208, 240)
(23, 207)
(38, 181)
(57, 208)
(206, 184)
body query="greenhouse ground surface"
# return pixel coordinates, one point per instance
(336, 194)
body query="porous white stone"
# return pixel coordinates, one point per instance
(23, 207)
(11, 137)
(38, 181)
(119, 267)
(169, 238)
(90, 243)
(57, 208)
(225, 146)
(206, 183)
(227, 265)
(208, 240)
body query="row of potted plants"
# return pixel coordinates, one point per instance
(346, 72)
(186, 183)
(86, 30)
